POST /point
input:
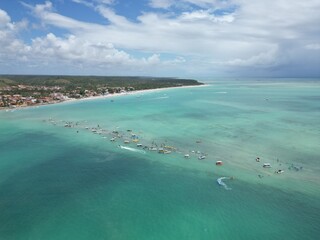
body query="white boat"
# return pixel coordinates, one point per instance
(186, 156)
(266, 165)
(201, 157)
(139, 145)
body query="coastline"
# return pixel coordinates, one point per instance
(102, 97)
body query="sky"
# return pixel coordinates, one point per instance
(186, 38)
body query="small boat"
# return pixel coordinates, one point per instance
(169, 147)
(153, 149)
(135, 140)
(139, 145)
(186, 156)
(126, 141)
(166, 152)
(201, 157)
(219, 163)
(266, 165)
(160, 150)
(279, 171)
(113, 139)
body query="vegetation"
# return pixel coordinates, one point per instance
(94, 82)
(28, 90)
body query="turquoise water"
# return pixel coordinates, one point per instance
(69, 183)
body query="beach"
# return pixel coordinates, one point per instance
(100, 97)
(62, 177)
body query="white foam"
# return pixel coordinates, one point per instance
(132, 149)
(221, 183)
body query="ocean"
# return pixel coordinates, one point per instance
(62, 178)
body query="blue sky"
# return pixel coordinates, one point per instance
(187, 38)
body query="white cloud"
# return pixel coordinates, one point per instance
(161, 3)
(240, 34)
(264, 59)
(84, 2)
(212, 4)
(4, 19)
(70, 51)
(205, 15)
(314, 46)
(93, 3)
(111, 16)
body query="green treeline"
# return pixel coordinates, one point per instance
(94, 82)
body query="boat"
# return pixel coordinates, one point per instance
(160, 150)
(266, 165)
(166, 152)
(126, 141)
(169, 147)
(279, 171)
(113, 139)
(219, 163)
(153, 149)
(139, 145)
(135, 140)
(201, 157)
(186, 156)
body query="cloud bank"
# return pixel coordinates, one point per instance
(191, 38)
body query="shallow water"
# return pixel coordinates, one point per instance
(57, 183)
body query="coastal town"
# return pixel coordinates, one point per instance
(24, 95)
(24, 90)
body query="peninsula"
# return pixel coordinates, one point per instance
(30, 90)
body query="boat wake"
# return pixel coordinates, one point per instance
(132, 149)
(221, 183)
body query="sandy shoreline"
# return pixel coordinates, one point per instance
(103, 96)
